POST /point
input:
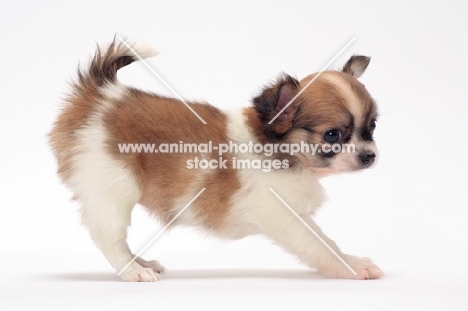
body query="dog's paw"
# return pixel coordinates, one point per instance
(364, 267)
(152, 264)
(139, 274)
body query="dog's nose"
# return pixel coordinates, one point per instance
(367, 159)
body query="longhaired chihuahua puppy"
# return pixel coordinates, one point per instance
(98, 137)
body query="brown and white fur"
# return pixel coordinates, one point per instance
(100, 113)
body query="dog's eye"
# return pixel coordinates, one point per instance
(332, 136)
(372, 127)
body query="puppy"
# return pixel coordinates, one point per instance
(102, 118)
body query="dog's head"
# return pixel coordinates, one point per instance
(332, 111)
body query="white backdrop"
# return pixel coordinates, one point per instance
(408, 213)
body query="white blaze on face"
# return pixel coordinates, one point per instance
(345, 91)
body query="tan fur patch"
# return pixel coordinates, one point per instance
(164, 177)
(352, 91)
(74, 116)
(333, 100)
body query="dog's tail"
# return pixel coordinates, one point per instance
(105, 64)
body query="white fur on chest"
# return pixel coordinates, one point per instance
(254, 202)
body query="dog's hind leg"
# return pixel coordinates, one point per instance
(107, 220)
(108, 190)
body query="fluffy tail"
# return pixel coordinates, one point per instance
(104, 66)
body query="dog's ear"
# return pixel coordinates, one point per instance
(356, 65)
(274, 98)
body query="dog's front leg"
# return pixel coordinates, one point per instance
(307, 241)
